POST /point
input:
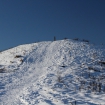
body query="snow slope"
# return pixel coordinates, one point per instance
(53, 73)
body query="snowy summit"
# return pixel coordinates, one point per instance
(64, 72)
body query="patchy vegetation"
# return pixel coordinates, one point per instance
(18, 56)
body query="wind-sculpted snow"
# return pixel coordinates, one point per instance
(53, 73)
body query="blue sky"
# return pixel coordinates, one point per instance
(28, 21)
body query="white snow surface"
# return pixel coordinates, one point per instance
(52, 73)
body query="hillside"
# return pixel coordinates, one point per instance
(64, 72)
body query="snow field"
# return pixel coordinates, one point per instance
(52, 73)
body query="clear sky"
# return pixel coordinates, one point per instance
(28, 21)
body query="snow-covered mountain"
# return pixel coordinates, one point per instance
(53, 73)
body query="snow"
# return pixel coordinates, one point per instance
(53, 73)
